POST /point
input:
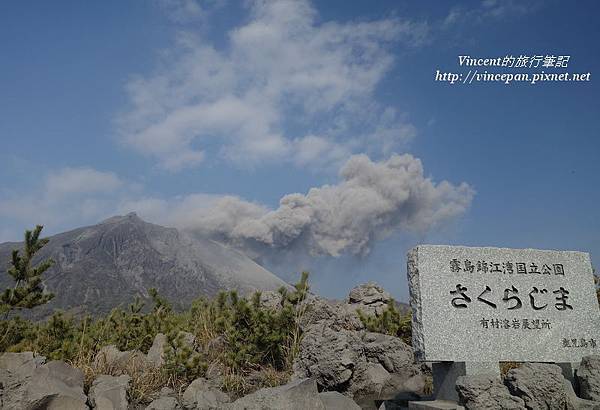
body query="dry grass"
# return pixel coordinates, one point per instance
(204, 330)
(272, 377)
(146, 381)
(428, 387)
(292, 345)
(505, 367)
(241, 383)
(236, 384)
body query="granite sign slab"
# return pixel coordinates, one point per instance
(499, 304)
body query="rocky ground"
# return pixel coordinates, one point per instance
(534, 386)
(340, 366)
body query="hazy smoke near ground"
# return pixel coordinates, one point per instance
(372, 201)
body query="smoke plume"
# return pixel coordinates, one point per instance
(372, 201)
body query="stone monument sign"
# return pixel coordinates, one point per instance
(497, 304)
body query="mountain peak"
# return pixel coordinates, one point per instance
(102, 266)
(131, 216)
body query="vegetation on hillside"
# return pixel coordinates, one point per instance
(237, 335)
(249, 344)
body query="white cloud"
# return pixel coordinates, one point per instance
(68, 181)
(282, 79)
(67, 197)
(182, 10)
(490, 10)
(189, 11)
(320, 152)
(502, 8)
(8, 235)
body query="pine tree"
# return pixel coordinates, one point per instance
(28, 291)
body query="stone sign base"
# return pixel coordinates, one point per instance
(434, 405)
(446, 373)
(568, 371)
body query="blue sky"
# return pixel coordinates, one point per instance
(205, 115)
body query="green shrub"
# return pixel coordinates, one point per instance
(14, 332)
(182, 361)
(27, 291)
(255, 335)
(390, 322)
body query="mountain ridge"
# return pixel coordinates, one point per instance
(101, 266)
